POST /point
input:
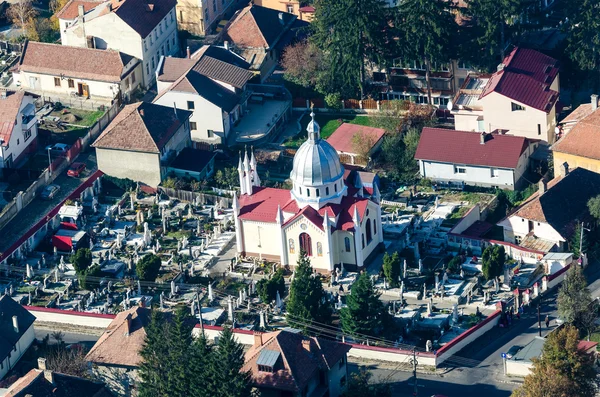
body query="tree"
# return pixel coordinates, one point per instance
(583, 34)
(425, 29)
(180, 340)
(391, 268)
(575, 304)
(20, 13)
(90, 278)
(155, 365)
(267, 288)
(350, 33)
(81, 260)
(360, 385)
(227, 374)
(148, 267)
(362, 144)
(364, 313)
(305, 65)
(307, 301)
(492, 261)
(562, 370)
(579, 241)
(200, 364)
(594, 207)
(399, 155)
(69, 361)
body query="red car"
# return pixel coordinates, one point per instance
(76, 169)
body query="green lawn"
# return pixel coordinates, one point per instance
(328, 124)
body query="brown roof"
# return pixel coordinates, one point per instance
(258, 27)
(173, 68)
(78, 62)
(71, 9)
(142, 127)
(9, 110)
(120, 344)
(294, 366)
(582, 140)
(222, 71)
(578, 114)
(34, 383)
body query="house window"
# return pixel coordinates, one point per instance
(27, 134)
(369, 236)
(215, 6)
(460, 170)
(57, 81)
(290, 8)
(18, 142)
(168, 46)
(307, 192)
(335, 187)
(210, 133)
(265, 368)
(306, 243)
(193, 125)
(132, 77)
(71, 83)
(147, 69)
(494, 172)
(515, 107)
(173, 40)
(319, 249)
(145, 46)
(152, 59)
(363, 241)
(181, 16)
(327, 191)
(539, 129)
(347, 243)
(190, 105)
(291, 246)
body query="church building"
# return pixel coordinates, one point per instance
(328, 213)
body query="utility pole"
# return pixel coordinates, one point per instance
(539, 317)
(414, 363)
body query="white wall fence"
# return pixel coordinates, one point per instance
(82, 319)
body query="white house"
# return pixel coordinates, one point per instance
(211, 84)
(142, 29)
(16, 333)
(141, 141)
(18, 127)
(520, 97)
(86, 72)
(547, 220)
(470, 158)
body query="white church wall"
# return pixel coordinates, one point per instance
(261, 238)
(340, 255)
(293, 232)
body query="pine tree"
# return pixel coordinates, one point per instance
(391, 268)
(179, 341)
(200, 364)
(364, 313)
(583, 34)
(154, 366)
(226, 374)
(307, 300)
(492, 261)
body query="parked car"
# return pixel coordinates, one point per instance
(49, 192)
(58, 148)
(76, 169)
(512, 351)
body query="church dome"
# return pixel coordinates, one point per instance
(316, 162)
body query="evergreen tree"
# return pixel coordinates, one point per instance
(81, 260)
(226, 374)
(364, 312)
(200, 365)
(179, 340)
(307, 300)
(350, 33)
(492, 261)
(267, 288)
(148, 267)
(154, 353)
(391, 268)
(575, 303)
(583, 34)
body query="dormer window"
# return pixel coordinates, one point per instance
(265, 368)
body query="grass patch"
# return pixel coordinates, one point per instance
(328, 124)
(179, 234)
(458, 213)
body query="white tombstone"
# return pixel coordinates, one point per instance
(263, 322)
(29, 271)
(405, 268)
(210, 293)
(139, 288)
(420, 266)
(445, 278)
(230, 309)
(278, 301)
(172, 287)
(437, 281)
(455, 313)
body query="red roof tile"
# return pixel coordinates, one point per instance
(582, 140)
(71, 9)
(341, 139)
(586, 345)
(526, 78)
(464, 147)
(309, 213)
(9, 111)
(262, 205)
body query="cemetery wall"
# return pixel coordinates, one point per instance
(83, 319)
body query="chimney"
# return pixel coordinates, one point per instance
(594, 102)
(128, 324)
(500, 67)
(563, 169)
(16, 324)
(49, 376)
(306, 344)
(543, 186)
(189, 54)
(42, 363)
(482, 138)
(226, 44)
(80, 10)
(258, 341)
(142, 113)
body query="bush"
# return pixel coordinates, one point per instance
(454, 264)
(148, 267)
(81, 260)
(333, 101)
(89, 278)
(267, 288)
(122, 183)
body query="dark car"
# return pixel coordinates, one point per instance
(76, 169)
(49, 192)
(512, 351)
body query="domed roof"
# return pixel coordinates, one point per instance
(316, 162)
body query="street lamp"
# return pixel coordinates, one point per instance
(581, 242)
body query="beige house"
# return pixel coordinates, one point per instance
(141, 141)
(201, 17)
(326, 214)
(298, 8)
(520, 97)
(52, 69)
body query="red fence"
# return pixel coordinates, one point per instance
(74, 150)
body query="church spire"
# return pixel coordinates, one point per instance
(313, 129)
(241, 176)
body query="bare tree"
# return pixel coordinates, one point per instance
(362, 144)
(67, 361)
(58, 336)
(20, 13)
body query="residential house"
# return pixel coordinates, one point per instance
(300, 9)
(16, 333)
(521, 97)
(579, 147)
(260, 35)
(18, 127)
(144, 29)
(211, 84)
(356, 144)
(547, 220)
(115, 358)
(201, 17)
(68, 15)
(141, 141)
(287, 363)
(462, 158)
(53, 69)
(43, 382)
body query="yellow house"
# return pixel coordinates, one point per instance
(303, 12)
(580, 147)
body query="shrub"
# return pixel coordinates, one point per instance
(148, 267)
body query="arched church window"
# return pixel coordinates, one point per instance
(347, 243)
(319, 249)
(307, 192)
(363, 240)
(374, 227)
(292, 248)
(318, 193)
(306, 243)
(369, 237)
(335, 187)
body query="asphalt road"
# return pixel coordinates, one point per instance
(68, 337)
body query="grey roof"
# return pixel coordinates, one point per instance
(557, 256)
(268, 357)
(207, 89)
(222, 71)
(222, 54)
(531, 350)
(192, 159)
(8, 336)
